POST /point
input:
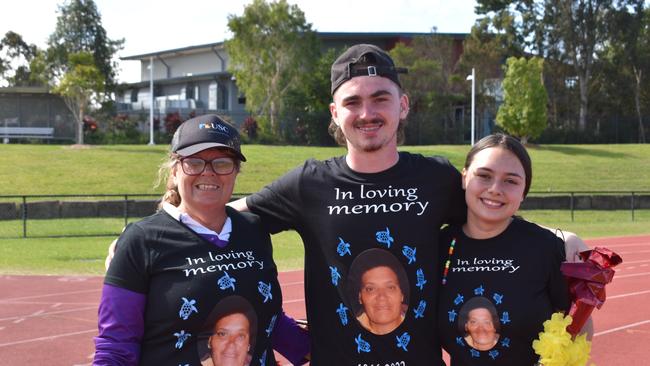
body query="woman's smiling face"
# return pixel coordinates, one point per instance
(494, 186)
(208, 190)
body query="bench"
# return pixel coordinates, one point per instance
(26, 132)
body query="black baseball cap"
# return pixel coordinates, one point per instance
(205, 132)
(364, 60)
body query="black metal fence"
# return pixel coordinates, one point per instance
(23, 209)
(588, 200)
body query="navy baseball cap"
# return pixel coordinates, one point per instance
(205, 132)
(364, 60)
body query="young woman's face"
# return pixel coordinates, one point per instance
(494, 186)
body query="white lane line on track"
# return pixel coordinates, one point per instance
(623, 327)
(636, 262)
(633, 244)
(293, 301)
(48, 295)
(628, 294)
(622, 254)
(284, 284)
(632, 275)
(42, 314)
(48, 337)
(58, 304)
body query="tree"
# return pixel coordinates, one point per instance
(486, 50)
(430, 87)
(81, 85)
(629, 51)
(272, 50)
(79, 29)
(308, 104)
(523, 113)
(16, 55)
(567, 30)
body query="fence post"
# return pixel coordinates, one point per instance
(24, 216)
(632, 208)
(572, 206)
(126, 209)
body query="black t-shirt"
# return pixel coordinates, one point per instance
(191, 284)
(341, 214)
(498, 293)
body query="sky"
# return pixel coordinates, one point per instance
(156, 25)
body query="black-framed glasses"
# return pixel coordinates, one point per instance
(196, 166)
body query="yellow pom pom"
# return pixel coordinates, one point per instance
(555, 346)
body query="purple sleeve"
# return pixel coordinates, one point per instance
(121, 327)
(290, 340)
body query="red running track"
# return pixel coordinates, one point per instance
(52, 319)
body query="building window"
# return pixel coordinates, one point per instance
(189, 91)
(213, 95)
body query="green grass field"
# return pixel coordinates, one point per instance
(60, 169)
(56, 169)
(85, 255)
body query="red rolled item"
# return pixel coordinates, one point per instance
(587, 282)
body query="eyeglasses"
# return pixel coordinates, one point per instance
(196, 166)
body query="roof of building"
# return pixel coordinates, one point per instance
(326, 36)
(25, 90)
(186, 78)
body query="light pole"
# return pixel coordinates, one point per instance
(151, 101)
(473, 79)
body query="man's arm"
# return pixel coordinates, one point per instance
(111, 254)
(573, 245)
(239, 205)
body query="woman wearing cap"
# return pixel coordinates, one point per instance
(173, 267)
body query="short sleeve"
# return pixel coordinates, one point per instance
(129, 267)
(558, 289)
(457, 210)
(279, 203)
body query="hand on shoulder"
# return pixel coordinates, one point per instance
(573, 245)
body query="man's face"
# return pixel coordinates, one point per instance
(230, 342)
(368, 110)
(381, 297)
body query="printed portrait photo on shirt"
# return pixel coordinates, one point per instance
(479, 323)
(229, 334)
(378, 291)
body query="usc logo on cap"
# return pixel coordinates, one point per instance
(213, 126)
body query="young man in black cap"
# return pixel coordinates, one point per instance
(373, 197)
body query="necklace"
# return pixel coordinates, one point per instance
(448, 262)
